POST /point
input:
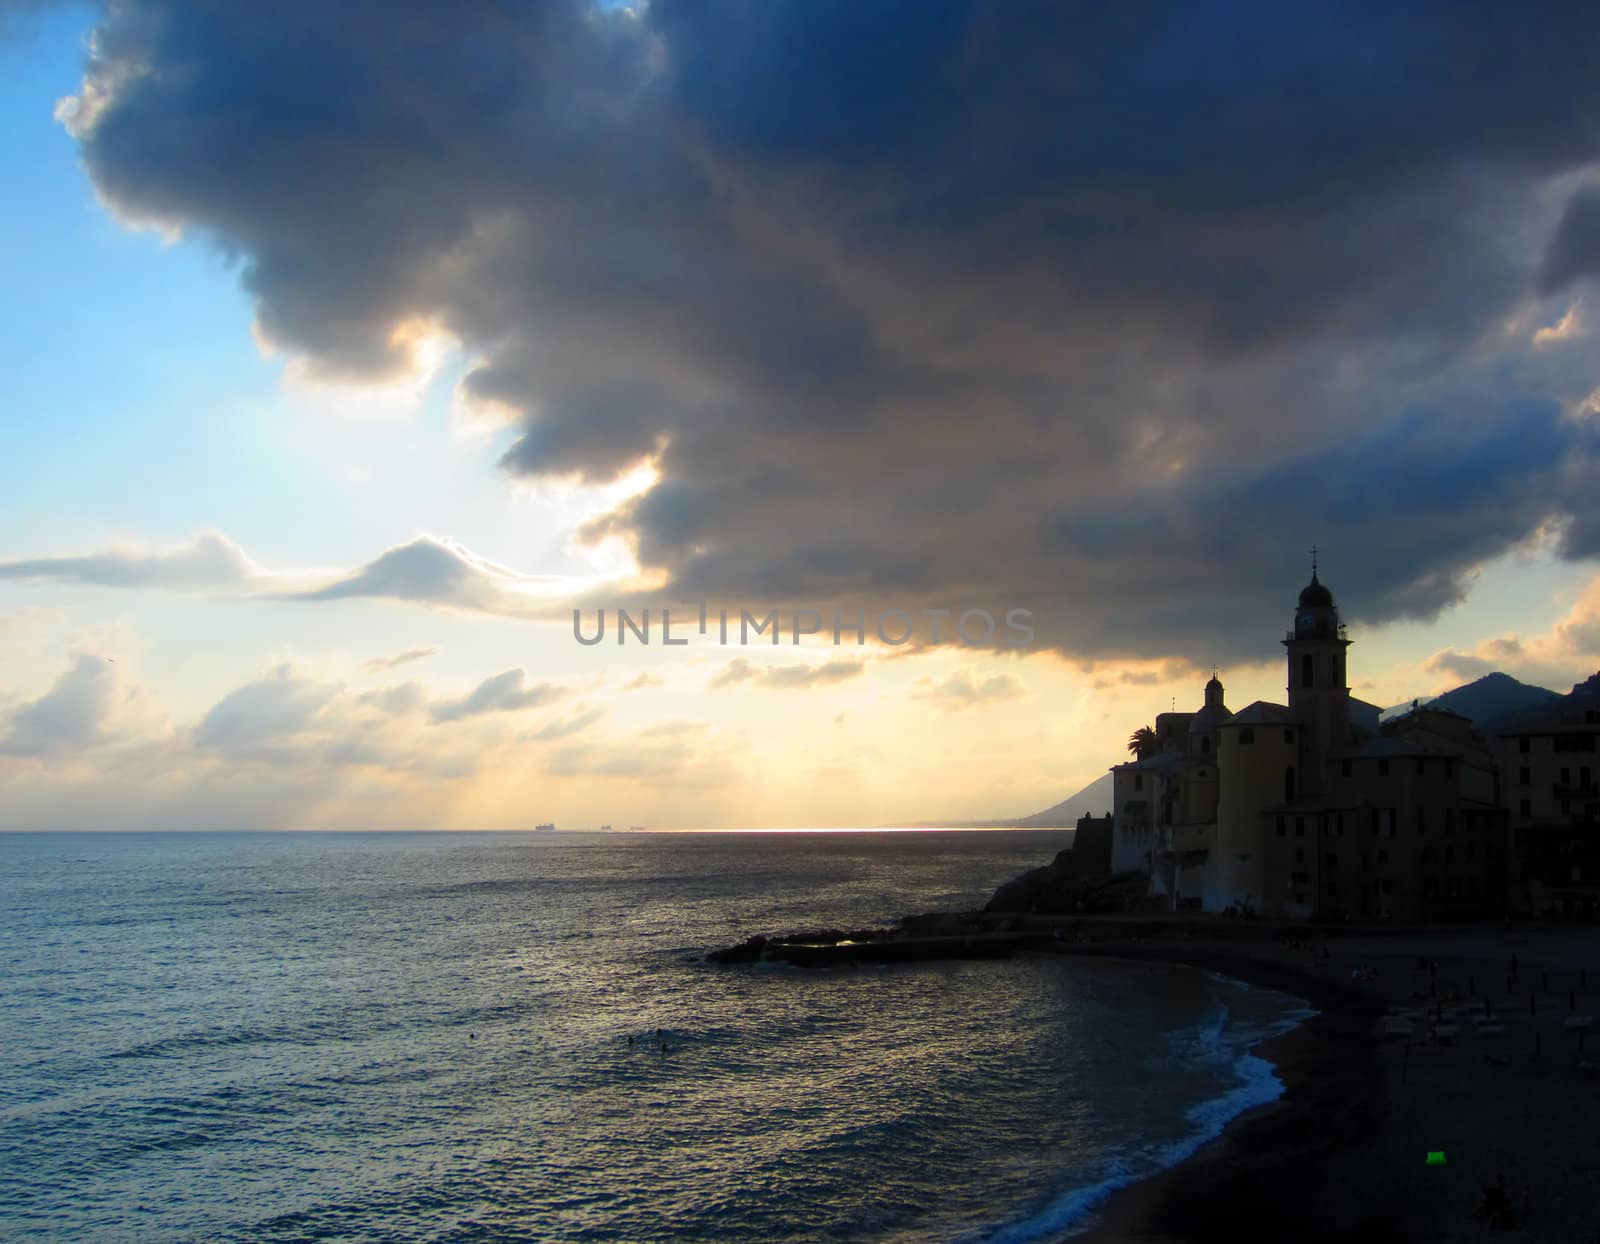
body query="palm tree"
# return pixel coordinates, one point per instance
(1142, 742)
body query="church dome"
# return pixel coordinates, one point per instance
(1315, 596)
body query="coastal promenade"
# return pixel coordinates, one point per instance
(1466, 1041)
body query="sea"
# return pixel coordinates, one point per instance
(512, 1036)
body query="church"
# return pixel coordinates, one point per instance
(1314, 809)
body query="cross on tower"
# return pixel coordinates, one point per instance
(1313, 561)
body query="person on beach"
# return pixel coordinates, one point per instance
(1495, 1207)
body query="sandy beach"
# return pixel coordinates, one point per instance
(1403, 1060)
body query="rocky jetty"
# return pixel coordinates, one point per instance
(1079, 879)
(1064, 887)
(763, 948)
(1076, 881)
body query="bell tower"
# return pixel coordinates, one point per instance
(1318, 695)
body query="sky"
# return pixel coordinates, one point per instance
(350, 349)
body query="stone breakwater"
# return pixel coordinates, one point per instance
(1024, 913)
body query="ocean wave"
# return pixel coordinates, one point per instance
(1222, 1039)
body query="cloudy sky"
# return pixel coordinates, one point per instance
(348, 347)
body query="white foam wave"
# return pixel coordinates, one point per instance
(1219, 1039)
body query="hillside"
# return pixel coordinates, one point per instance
(1495, 695)
(1584, 697)
(1487, 699)
(1093, 800)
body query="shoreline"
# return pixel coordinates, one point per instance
(1466, 1041)
(1251, 1181)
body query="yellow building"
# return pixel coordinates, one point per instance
(1314, 809)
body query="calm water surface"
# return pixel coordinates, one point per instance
(426, 1037)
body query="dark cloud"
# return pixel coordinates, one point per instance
(1470, 665)
(1100, 310)
(1574, 252)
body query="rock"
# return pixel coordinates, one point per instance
(1061, 887)
(748, 951)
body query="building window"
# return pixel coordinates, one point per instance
(1299, 827)
(1383, 857)
(1522, 744)
(1247, 735)
(1279, 826)
(1138, 781)
(1299, 898)
(1526, 808)
(1288, 736)
(1449, 768)
(1344, 768)
(1332, 859)
(1306, 668)
(1333, 889)
(1383, 768)
(1299, 855)
(1419, 766)
(1566, 776)
(1449, 820)
(1393, 823)
(1288, 785)
(1422, 823)
(1205, 745)
(1525, 776)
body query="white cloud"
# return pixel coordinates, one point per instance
(210, 560)
(380, 664)
(431, 571)
(282, 703)
(786, 677)
(74, 714)
(503, 693)
(961, 690)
